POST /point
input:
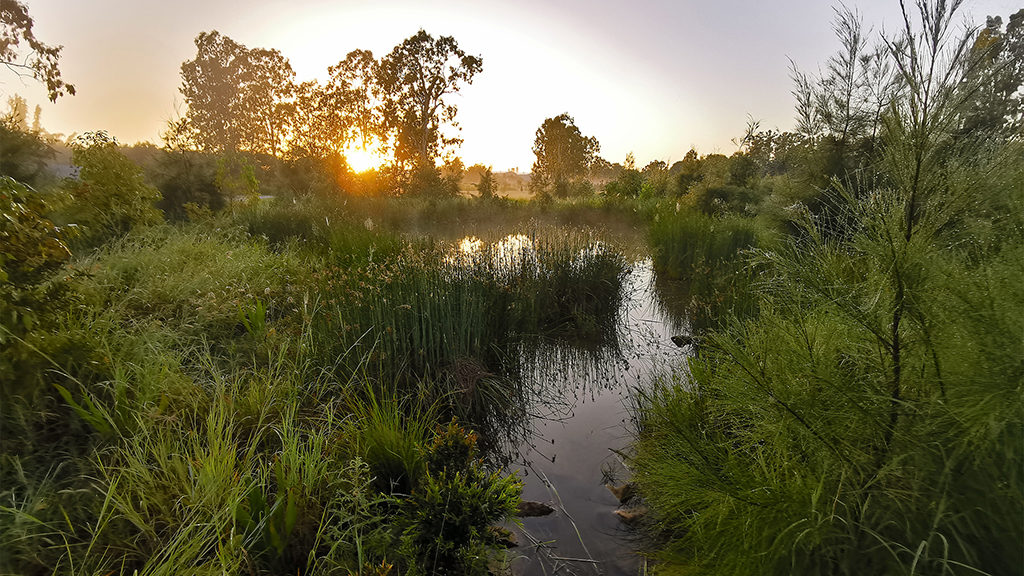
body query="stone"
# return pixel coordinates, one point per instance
(529, 508)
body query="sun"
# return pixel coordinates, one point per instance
(363, 158)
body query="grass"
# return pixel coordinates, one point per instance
(203, 410)
(809, 439)
(426, 310)
(710, 256)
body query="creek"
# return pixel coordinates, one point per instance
(578, 429)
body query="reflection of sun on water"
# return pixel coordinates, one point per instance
(507, 252)
(470, 245)
(512, 248)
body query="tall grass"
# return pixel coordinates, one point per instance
(210, 413)
(427, 310)
(710, 256)
(790, 453)
(867, 419)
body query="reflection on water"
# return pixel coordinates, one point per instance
(565, 421)
(580, 428)
(511, 252)
(557, 414)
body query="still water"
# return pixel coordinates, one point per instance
(578, 428)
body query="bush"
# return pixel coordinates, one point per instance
(448, 517)
(110, 195)
(32, 295)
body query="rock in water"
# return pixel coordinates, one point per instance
(623, 493)
(503, 537)
(631, 516)
(684, 340)
(528, 508)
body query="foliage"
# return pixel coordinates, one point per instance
(184, 178)
(710, 255)
(487, 184)
(865, 419)
(415, 81)
(563, 155)
(41, 62)
(23, 154)
(236, 179)
(236, 96)
(449, 515)
(32, 251)
(628, 183)
(997, 104)
(330, 118)
(110, 195)
(417, 315)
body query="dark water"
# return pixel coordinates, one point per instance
(579, 426)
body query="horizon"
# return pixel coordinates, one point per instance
(655, 90)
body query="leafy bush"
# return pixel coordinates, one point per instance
(32, 295)
(448, 517)
(23, 155)
(110, 195)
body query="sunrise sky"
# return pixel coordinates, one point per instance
(650, 77)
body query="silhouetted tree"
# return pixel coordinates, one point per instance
(413, 82)
(23, 153)
(238, 99)
(41, 61)
(331, 117)
(487, 185)
(563, 154)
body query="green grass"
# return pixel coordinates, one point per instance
(810, 440)
(426, 310)
(710, 256)
(199, 407)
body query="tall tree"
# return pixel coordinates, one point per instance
(997, 75)
(563, 153)
(331, 117)
(238, 98)
(41, 61)
(414, 82)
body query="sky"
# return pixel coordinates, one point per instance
(654, 78)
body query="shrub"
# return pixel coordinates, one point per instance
(110, 195)
(448, 517)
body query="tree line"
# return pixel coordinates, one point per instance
(242, 99)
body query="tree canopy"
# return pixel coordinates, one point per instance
(41, 61)
(563, 153)
(414, 81)
(237, 97)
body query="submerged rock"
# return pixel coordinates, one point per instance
(503, 537)
(528, 508)
(684, 340)
(622, 493)
(632, 515)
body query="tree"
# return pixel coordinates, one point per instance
(238, 98)
(996, 77)
(41, 61)
(23, 154)
(563, 154)
(110, 195)
(487, 184)
(414, 81)
(330, 118)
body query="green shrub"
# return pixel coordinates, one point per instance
(110, 195)
(448, 517)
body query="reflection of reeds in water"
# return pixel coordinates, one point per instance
(451, 319)
(708, 255)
